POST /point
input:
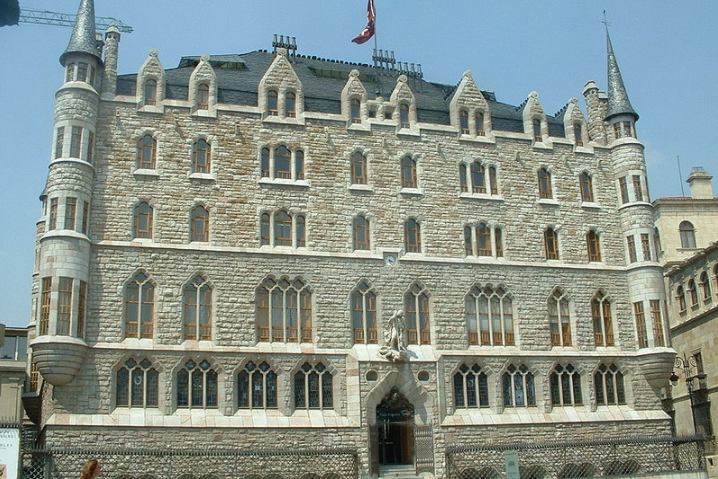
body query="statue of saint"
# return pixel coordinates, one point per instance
(394, 337)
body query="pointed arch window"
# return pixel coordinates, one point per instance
(578, 134)
(284, 311)
(464, 122)
(608, 381)
(537, 130)
(199, 224)
(282, 163)
(150, 92)
(544, 184)
(197, 300)
(290, 104)
(197, 386)
(355, 110)
(272, 103)
(565, 386)
(404, 115)
(688, 234)
(282, 229)
(412, 236)
(480, 131)
(265, 159)
(489, 317)
(299, 165)
(463, 182)
(313, 387)
(364, 315)
(471, 387)
(359, 169)
(559, 319)
(602, 322)
(586, 185)
(551, 243)
(143, 221)
(137, 384)
(257, 387)
(147, 153)
(139, 307)
(416, 306)
(483, 240)
(361, 233)
(203, 96)
(593, 245)
(201, 156)
(408, 172)
(518, 387)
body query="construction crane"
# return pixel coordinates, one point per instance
(45, 17)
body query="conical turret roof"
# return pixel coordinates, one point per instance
(618, 102)
(83, 33)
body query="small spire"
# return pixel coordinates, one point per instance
(618, 102)
(83, 34)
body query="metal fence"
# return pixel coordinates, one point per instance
(562, 460)
(192, 464)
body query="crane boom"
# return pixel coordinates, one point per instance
(45, 17)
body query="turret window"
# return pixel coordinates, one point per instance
(199, 224)
(544, 183)
(631, 246)
(593, 245)
(90, 145)
(59, 141)
(147, 153)
(657, 320)
(151, 92)
(203, 96)
(628, 129)
(52, 223)
(70, 212)
(143, 220)
(137, 384)
(45, 304)
(139, 307)
(64, 306)
(284, 311)
(197, 386)
(623, 189)
(602, 322)
(197, 300)
(81, 71)
(559, 319)
(75, 141)
(688, 234)
(364, 315)
(640, 317)
(586, 186)
(201, 156)
(646, 246)
(637, 188)
(257, 387)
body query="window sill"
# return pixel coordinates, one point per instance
(411, 131)
(203, 176)
(487, 138)
(291, 120)
(284, 182)
(152, 109)
(583, 149)
(141, 241)
(412, 191)
(543, 145)
(358, 126)
(548, 202)
(481, 197)
(146, 172)
(362, 188)
(211, 112)
(590, 205)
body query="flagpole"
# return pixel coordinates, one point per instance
(376, 42)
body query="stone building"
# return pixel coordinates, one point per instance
(13, 362)
(273, 250)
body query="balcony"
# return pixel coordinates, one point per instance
(58, 358)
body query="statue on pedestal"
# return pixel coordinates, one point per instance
(395, 338)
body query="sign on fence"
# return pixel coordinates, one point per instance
(9, 453)
(512, 464)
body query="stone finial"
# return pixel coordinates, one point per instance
(153, 53)
(469, 74)
(618, 102)
(402, 79)
(354, 73)
(534, 95)
(573, 101)
(282, 52)
(82, 39)
(204, 57)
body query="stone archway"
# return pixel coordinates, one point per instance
(395, 428)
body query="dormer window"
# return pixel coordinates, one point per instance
(480, 124)
(151, 92)
(404, 115)
(272, 103)
(464, 122)
(203, 96)
(537, 130)
(82, 71)
(627, 129)
(577, 134)
(290, 104)
(355, 111)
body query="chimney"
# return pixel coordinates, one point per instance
(700, 183)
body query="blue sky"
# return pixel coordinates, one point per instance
(667, 51)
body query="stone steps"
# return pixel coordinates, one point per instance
(398, 472)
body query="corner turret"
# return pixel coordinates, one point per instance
(83, 39)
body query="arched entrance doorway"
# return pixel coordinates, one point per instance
(395, 430)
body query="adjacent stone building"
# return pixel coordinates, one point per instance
(274, 250)
(13, 362)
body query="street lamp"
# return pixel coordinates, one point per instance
(689, 365)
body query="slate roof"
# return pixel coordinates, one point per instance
(238, 77)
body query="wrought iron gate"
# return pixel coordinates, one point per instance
(424, 448)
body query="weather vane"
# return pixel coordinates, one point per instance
(605, 21)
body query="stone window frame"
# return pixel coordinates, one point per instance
(413, 224)
(565, 372)
(203, 74)
(704, 282)
(137, 214)
(602, 314)
(212, 382)
(151, 70)
(461, 376)
(527, 386)
(365, 326)
(364, 164)
(585, 182)
(267, 165)
(194, 235)
(268, 236)
(593, 246)
(74, 72)
(141, 139)
(495, 240)
(272, 373)
(687, 234)
(692, 291)
(561, 331)
(130, 364)
(476, 334)
(70, 146)
(304, 310)
(552, 243)
(203, 290)
(544, 176)
(327, 370)
(617, 382)
(417, 299)
(207, 161)
(490, 173)
(361, 245)
(143, 329)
